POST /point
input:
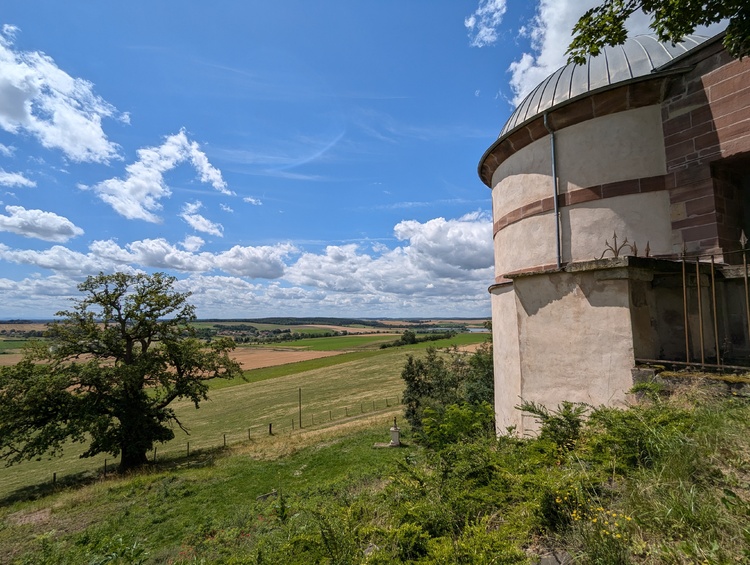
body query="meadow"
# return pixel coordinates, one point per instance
(665, 481)
(346, 385)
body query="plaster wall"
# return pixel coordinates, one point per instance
(528, 243)
(523, 178)
(641, 218)
(575, 338)
(506, 357)
(615, 147)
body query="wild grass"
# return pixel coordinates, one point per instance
(12, 345)
(360, 382)
(666, 481)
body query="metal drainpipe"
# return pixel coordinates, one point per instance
(555, 192)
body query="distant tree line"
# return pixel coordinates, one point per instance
(289, 321)
(246, 333)
(22, 333)
(410, 337)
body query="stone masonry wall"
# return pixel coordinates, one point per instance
(706, 119)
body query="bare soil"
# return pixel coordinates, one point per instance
(249, 358)
(255, 358)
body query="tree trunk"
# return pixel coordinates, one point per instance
(131, 457)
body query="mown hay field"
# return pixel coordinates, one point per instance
(366, 382)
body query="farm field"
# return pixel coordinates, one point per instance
(334, 388)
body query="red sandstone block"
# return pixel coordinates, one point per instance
(733, 117)
(732, 68)
(700, 206)
(610, 102)
(644, 93)
(675, 125)
(691, 133)
(734, 131)
(694, 175)
(693, 222)
(735, 146)
(531, 209)
(687, 103)
(729, 104)
(574, 113)
(651, 184)
(700, 233)
(621, 188)
(520, 139)
(548, 204)
(679, 149)
(701, 115)
(584, 195)
(729, 87)
(537, 129)
(690, 192)
(707, 140)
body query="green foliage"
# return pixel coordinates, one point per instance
(437, 381)
(683, 498)
(671, 20)
(457, 423)
(410, 337)
(429, 382)
(109, 372)
(479, 382)
(561, 426)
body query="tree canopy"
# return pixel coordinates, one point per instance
(107, 374)
(671, 20)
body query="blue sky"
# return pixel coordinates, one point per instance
(278, 158)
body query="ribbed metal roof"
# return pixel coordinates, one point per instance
(638, 56)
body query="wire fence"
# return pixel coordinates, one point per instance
(302, 421)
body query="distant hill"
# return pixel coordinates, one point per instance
(286, 321)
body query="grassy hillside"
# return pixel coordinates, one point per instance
(333, 388)
(667, 481)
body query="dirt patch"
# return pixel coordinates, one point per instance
(10, 359)
(32, 326)
(33, 517)
(248, 357)
(256, 358)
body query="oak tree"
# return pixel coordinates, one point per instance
(109, 371)
(671, 20)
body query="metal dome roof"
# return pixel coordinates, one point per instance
(637, 57)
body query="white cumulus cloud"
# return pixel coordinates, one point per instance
(137, 196)
(192, 243)
(62, 112)
(39, 224)
(483, 23)
(439, 257)
(15, 179)
(199, 222)
(253, 201)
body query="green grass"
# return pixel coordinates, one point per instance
(337, 343)
(340, 385)
(163, 508)
(331, 387)
(8, 345)
(666, 481)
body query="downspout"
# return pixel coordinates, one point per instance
(555, 192)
